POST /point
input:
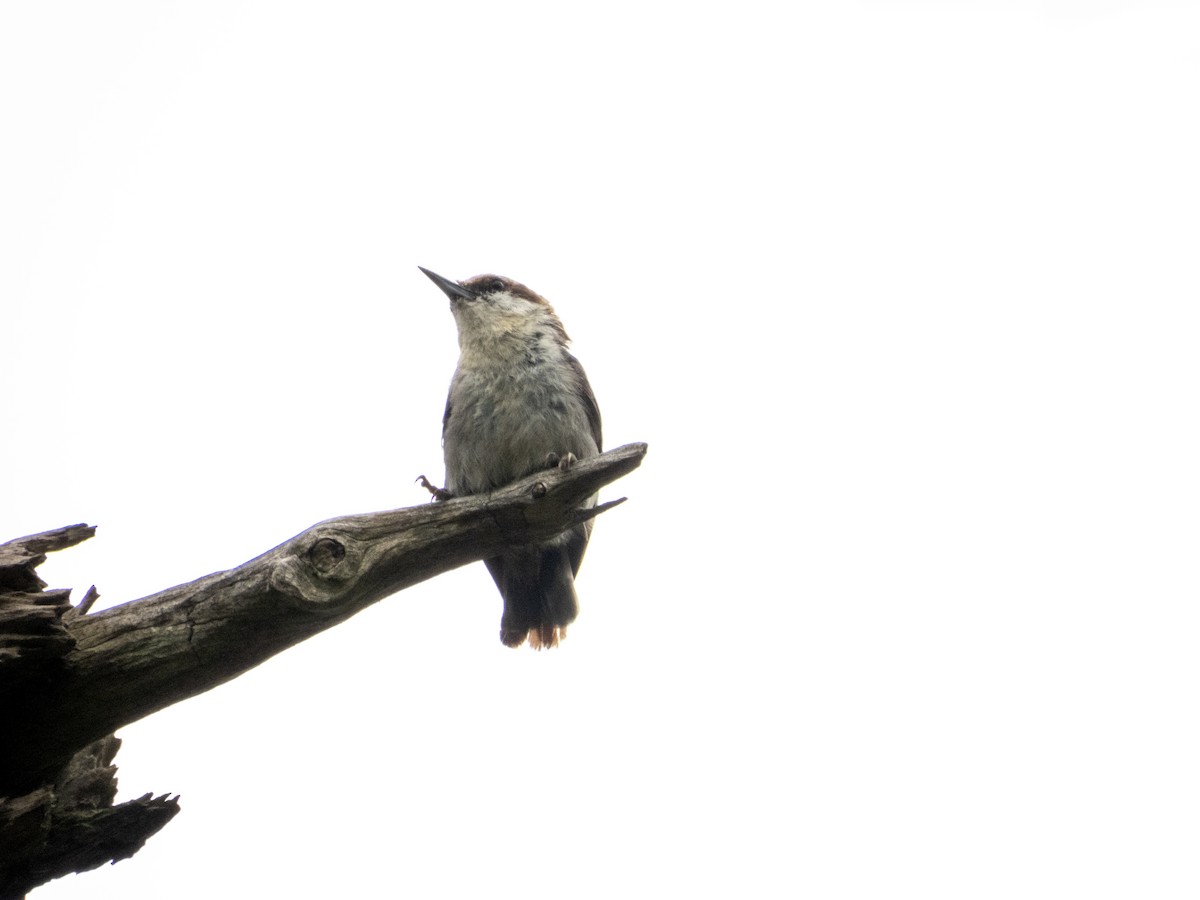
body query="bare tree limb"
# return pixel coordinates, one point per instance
(69, 678)
(134, 659)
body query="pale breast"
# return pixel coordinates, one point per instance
(506, 416)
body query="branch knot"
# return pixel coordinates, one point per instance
(319, 574)
(325, 554)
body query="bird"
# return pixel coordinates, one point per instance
(518, 402)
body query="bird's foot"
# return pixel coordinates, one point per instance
(437, 492)
(554, 461)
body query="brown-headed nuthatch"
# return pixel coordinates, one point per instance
(519, 402)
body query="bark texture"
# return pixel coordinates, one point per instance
(70, 678)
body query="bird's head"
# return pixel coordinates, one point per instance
(488, 307)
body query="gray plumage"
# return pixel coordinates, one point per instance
(518, 401)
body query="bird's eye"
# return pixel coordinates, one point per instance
(497, 286)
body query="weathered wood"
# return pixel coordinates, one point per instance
(134, 659)
(21, 556)
(83, 606)
(72, 825)
(69, 678)
(31, 620)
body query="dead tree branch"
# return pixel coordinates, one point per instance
(69, 678)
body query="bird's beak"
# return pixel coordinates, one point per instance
(452, 288)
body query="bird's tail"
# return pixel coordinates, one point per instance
(538, 586)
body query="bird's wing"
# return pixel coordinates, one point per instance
(589, 400)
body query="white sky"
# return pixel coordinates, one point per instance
(903, 298)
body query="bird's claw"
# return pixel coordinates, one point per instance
(554, 461)
(437, 492)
